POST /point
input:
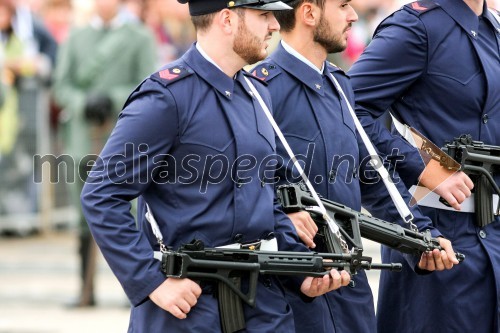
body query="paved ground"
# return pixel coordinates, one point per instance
(39, 277)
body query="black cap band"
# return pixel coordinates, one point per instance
(202, 7)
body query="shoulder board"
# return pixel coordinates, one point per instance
(334, 68)
(265, 71)
(171, 74)
(422, 6)
(254, 77)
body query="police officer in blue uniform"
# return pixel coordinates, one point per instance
(437, 66)
(189, 143)
(320, 129)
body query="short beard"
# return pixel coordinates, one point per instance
(247, 45)
(323, 36)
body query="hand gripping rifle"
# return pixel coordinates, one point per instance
(481, 162)
(228, 266)
(295, 198)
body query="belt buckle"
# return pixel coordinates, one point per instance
(253, 246)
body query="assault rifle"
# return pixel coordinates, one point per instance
(481, 162)
(228, 266)
(195, 261)
(295, 197)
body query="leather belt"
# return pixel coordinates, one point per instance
(261, 245)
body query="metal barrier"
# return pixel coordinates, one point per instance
(27, 205)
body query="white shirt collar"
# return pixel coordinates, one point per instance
(299, 56)
(204, 55)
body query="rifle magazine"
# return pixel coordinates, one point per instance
(230, 307)
(483, 202)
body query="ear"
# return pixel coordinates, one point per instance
(227, 20)
(308, 14)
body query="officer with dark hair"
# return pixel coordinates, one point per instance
(184, 144)
(314, 115)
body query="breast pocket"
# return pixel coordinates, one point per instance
(208, 129)
(264, 126)
(461, 66)
(301, 141)
(304, 147)
(347, 117)
(464, 78)
(216, 141)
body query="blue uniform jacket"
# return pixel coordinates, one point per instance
(437, 66)
(193, 144)
(321, 132)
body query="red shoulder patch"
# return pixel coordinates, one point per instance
(167, 75)
(422, 6)
(254, 73)
(417, 6)
(171, 74)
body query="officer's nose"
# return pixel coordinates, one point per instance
(353, 16)
(273, 24)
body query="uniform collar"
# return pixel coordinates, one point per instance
(210, 72)
(463, 15)
(489, 15)
(299, 69)
(206, 56)
(299, 56)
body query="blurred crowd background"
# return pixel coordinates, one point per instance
(32, 197)
(35, 197)
(34, 193)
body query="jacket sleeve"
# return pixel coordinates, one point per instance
(395, 58)
(122, 173)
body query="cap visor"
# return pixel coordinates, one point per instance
(278, 5)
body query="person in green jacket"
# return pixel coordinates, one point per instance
(97, 68)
